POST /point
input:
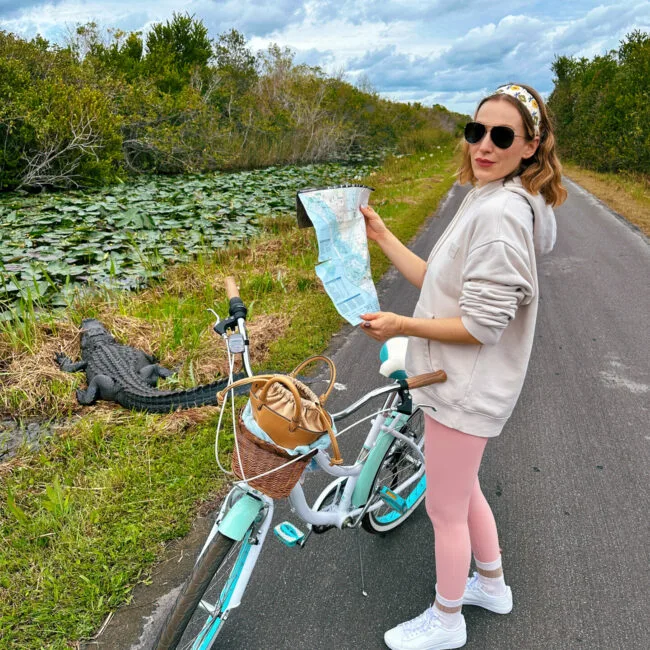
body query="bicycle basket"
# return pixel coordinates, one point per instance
(288, 412)
(258, 457)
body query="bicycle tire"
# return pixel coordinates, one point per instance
(397, 465)
(211, 575)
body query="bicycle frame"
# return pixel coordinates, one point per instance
(360, 475)
(244, 504)
(355, 500)
(237, 520)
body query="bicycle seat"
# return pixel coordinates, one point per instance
(393, 358)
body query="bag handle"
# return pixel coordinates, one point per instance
(221, 395)
(337, 460)
(319, 357)
(270, 380)
(287, 383)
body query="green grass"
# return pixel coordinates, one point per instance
(85, 518)
(89, 515)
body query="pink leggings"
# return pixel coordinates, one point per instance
(462, 519)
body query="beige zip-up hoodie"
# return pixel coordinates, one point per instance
(483, 269)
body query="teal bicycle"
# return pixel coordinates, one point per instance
(378, 492)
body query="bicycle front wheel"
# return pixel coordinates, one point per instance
(198, 614)
(399, 464)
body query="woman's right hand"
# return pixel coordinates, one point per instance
(375, 228)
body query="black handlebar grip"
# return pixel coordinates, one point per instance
(237, 308)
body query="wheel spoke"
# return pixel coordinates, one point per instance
(199, 611)
(399, 465)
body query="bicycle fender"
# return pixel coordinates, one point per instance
(239, 518)
(369, 471)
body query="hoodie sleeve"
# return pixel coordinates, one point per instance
(497, 278)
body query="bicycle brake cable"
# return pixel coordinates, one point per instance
(231, 365)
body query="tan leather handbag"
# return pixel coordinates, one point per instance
(288, 411)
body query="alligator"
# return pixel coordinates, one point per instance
(128, 376)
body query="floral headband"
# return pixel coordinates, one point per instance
(525, 98)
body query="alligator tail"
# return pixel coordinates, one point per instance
(169, 401)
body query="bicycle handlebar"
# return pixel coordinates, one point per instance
(237, 318)
(236, 309)
(231, 288)
(400, 385)
(419, 381)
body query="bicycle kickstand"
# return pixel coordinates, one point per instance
(363, 582)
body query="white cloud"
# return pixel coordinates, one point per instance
(316, 58)
(404, 61)
(490, 44)
(411, 50)
(248, 16)
(602, 25)
(436, 15)
(9, 8)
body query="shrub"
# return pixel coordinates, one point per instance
(601, 107)
(108, 103)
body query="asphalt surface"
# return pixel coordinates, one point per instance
(568, 481)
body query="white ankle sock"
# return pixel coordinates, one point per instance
(449, 621)
(492, 586)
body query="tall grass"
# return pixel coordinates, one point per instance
(424, 140)
(625, 192)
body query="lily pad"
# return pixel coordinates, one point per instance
(125, 234)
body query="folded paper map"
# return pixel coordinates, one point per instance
(344, 261)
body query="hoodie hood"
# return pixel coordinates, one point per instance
(544, 226)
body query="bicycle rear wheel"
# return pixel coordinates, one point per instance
(198, 614)
(398, 465)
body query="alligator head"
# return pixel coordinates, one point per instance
(93, 333)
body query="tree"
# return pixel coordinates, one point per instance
(602, 107)
(233, 59)
(105, 104)
(58, 126)
(175, 48)
(236, 68)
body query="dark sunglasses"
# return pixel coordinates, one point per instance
(501, 136)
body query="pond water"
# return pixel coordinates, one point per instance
(124, 235)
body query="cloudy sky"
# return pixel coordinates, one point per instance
(432, 51)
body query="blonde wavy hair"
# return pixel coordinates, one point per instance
(542, 172)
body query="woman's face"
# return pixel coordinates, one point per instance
(489, 163)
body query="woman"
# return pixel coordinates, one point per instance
(475, 318)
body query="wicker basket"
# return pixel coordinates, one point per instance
(258, 456)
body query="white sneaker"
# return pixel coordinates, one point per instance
(425, 632)
(475, 595)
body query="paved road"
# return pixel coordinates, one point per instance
(568, 480)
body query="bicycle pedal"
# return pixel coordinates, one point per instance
(392, 500)
(288, 534)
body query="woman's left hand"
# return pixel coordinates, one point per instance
(383, 325)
